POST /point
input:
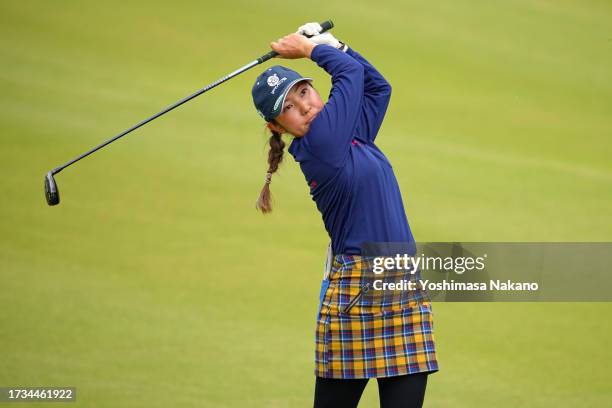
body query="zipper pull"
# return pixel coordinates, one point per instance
(363, 290)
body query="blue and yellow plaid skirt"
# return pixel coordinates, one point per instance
(362, 332)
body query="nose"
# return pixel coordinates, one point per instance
(304, 107)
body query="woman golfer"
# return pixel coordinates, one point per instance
(361, 332)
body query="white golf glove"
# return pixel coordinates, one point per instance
(326, 38)
(310, 29)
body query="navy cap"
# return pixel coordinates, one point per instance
(271, 88)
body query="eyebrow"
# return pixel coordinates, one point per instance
(297, 88)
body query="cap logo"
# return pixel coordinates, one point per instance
(277, 84)
(273, 80)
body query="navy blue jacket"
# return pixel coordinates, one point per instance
(350, 179)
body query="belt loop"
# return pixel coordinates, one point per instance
(328, 262)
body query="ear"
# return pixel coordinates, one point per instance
(276, 128)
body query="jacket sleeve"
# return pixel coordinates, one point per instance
(331, 132)
(376, 96)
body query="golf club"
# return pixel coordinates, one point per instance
(51, 190)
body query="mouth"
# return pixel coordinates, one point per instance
(310, 119)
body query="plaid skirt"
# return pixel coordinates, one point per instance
(364, 332)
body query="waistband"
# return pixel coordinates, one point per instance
(346, 259)
(363, 267)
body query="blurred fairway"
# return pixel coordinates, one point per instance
(156, 284)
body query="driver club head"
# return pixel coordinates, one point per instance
(51, 191)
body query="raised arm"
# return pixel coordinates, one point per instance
(376, 96)
(332, 131)
(334, 127)
(377, 91)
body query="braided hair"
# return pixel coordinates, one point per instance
(275, 157)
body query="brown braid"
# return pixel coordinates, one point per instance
(275, 157)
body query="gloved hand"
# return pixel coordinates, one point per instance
(310, 29)
(314, 29)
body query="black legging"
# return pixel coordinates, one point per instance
(404, 391)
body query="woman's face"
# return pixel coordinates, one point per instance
(302, 104)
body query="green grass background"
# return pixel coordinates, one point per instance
(155, 283)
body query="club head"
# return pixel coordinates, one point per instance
(51, 191)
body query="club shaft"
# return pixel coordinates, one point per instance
(158, 114)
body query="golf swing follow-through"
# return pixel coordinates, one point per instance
(361, 333)
(51, 190)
